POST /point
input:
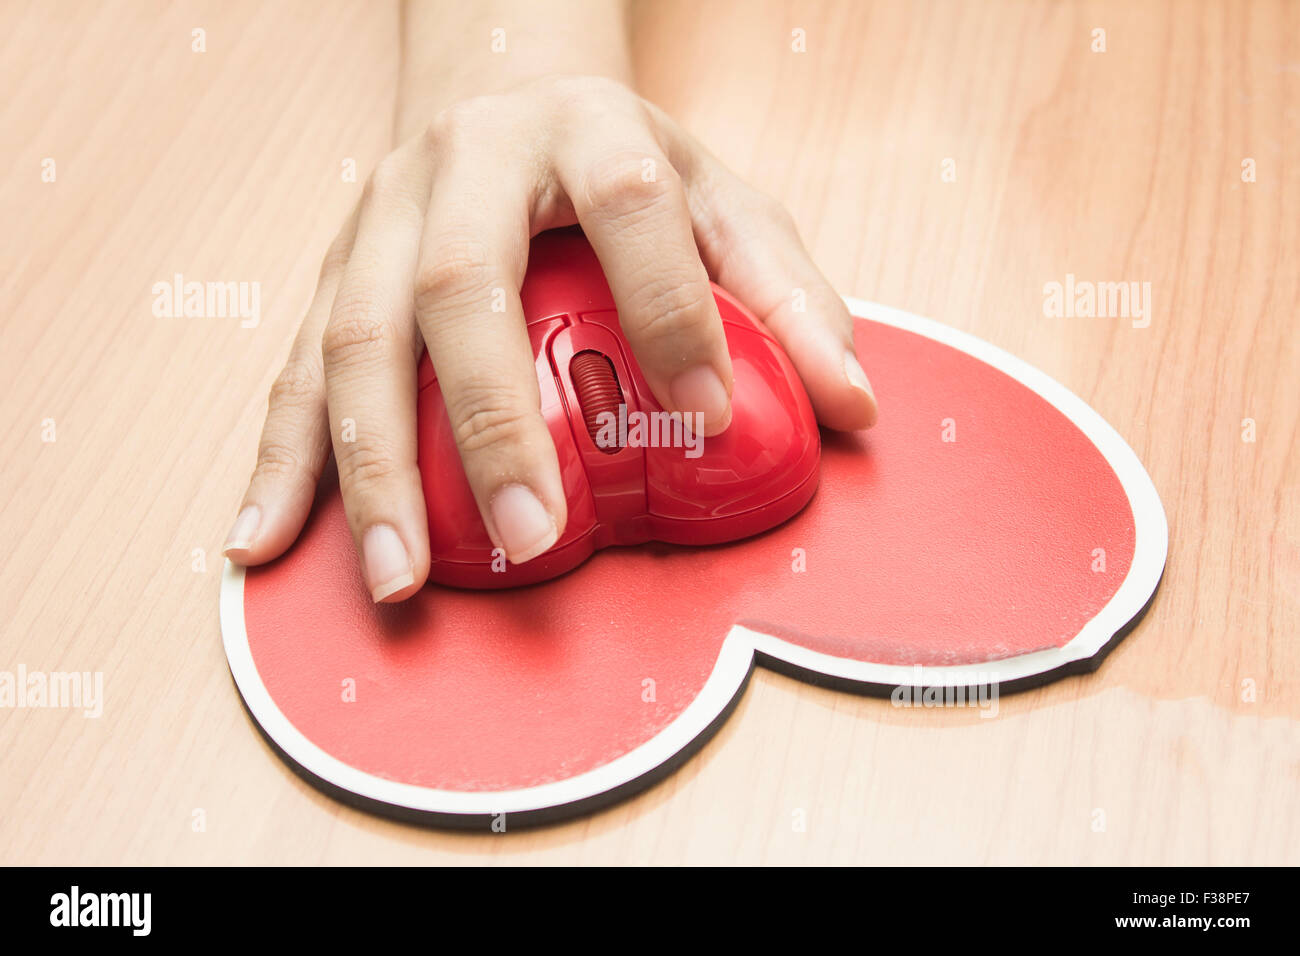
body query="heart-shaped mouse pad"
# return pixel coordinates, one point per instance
(992, 531)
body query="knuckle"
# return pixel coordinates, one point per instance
(365, 468)
(354, 332)
(299, 384)
(385, 178)
(394, 186)
(624, 183)
(451, 126)
(674, 311)
(278, 458)
(432, 135)
(587, 95)
(454, 269)
(488, 416)
(441, 130)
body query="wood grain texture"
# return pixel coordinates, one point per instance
(1115, 166)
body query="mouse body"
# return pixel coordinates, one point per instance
(632, 473)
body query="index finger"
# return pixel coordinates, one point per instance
(632, 206)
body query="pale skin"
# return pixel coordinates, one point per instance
(495, 148)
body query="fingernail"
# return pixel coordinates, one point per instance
(523, 525)
(699, 389)
(857, 378)
(388, 567)
(243, 530)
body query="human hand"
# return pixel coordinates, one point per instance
(441, 235)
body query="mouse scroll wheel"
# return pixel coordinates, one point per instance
(596, 385)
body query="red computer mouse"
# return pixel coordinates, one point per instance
(631, 473)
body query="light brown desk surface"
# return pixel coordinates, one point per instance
(1115, 166)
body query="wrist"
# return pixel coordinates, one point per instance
(451, 52)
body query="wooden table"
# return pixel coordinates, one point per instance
(1123, 165)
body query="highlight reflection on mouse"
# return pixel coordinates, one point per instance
(651, 432)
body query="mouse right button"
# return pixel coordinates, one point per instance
(768, 452)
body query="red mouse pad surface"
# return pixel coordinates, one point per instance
(991, 532)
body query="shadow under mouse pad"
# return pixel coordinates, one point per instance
(992, 529)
